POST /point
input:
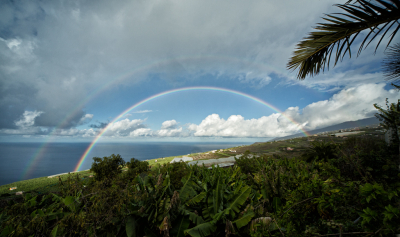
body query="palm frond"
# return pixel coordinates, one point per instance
(314, 52)
(187, 191)
(204, 229)
(196, 199)
(182, 224)
(245, 219)
(195, 218)
(391, 63)
(237, 201)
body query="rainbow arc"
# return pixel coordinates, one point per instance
(97, 138)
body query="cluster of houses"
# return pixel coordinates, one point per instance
(221, 150)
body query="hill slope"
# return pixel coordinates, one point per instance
(345, 125)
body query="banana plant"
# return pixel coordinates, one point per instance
(222, 202)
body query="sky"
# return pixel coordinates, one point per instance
(70, 70)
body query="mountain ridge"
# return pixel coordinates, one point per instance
(344, 125)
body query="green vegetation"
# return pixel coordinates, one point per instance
(108, 167)
(37, 185)
(325, 186)
(162, 161)
(351, 187)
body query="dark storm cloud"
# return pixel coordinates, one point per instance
(14, 100)
(53, 54)
(100, 125)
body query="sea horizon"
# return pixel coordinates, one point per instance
(27, 160)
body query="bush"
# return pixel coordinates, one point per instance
(368, 158)
(250, 165)
(320, 151)
(176, 172)
(108, 167)
(136, 167)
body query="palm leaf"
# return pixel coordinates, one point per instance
(196, 219)
(237, 201)
(131, 226)
(314, 52)
(245, 219)
(263, 221)
(215, 201)
(181, 225)
(202, 230)
(196, 199)
(187, 189)
(391, 63)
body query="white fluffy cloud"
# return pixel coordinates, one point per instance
(169, 129)
(237, 126)
(347, 105)
(124, 127)
(169, 124)
(174, 132)
(28, 119)
(85, 119)
(141, 132)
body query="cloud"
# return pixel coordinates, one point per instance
(85, 119)
(53, 55)
(124, 127)
(169, 124)
(237, 126)
(142, 111)
(25, 125)
(141, 132)
(337, 81)
(257, 81)
(74, 132)
(57, 54)
(170, 128)
(171, 132)
(100, 125)
(28, 119)
(347, 105)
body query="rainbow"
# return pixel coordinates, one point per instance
(140, 69)
(96, 139)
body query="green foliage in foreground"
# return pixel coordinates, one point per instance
(357, 190)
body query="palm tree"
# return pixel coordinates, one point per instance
(391, 64)
(337, 34)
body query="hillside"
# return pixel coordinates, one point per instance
(345, 125)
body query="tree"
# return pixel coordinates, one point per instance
(108, 167)
(314, 52)
(390, 118)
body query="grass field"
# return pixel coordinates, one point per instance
(161, 161)
(40, 185)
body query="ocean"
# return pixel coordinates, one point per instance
(20, 161)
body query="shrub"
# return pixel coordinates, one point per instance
(320, 151)
(108, 167)
(176, 172)
(368, 158)
(250, 165)
(136, 167)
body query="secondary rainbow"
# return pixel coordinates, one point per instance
(96, 139)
